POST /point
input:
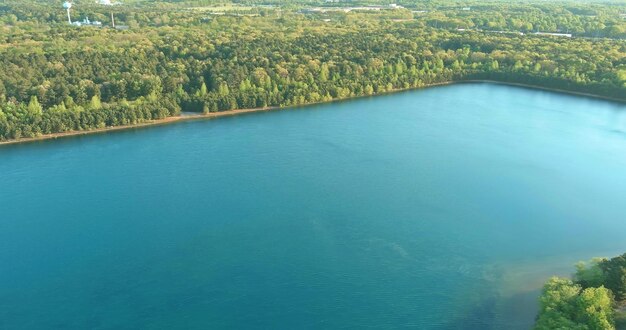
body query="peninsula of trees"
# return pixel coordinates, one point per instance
(594, 300)
(200, 56)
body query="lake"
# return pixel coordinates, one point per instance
(441, 208)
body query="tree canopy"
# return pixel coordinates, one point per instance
(588, 302)
(200, 56)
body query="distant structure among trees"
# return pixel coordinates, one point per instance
(67, 6)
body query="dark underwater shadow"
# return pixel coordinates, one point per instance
(512, 313)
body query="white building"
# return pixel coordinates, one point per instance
(87, 22)
(568, 35)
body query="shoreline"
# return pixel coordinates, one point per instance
(549, 89)
(157, 122)
(228, 113)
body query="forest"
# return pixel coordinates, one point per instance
(594, 299)
(164, 58)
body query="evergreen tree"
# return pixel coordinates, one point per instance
(34, 108)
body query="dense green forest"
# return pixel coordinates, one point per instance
(594, 299)
(202, 56)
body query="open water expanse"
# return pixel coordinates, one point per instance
(442, 208)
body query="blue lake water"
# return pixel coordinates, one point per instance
(442, 208)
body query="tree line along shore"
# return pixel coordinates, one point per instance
(56, 78)
(225, 113)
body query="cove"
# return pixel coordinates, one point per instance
(441, 208)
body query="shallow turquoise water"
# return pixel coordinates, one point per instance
(414, 209)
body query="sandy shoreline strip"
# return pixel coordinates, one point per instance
(157, 122)
(227, 113)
